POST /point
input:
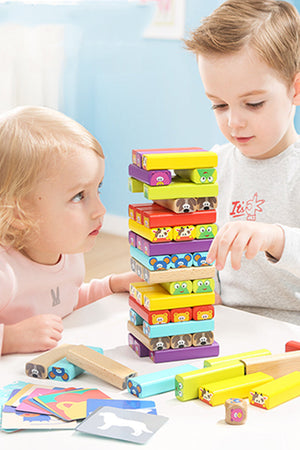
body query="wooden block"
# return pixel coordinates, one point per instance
(179, 160)
(157, 300)
(133, 207)
(187, 384)
(188, 205)
(156, 382)
(132, 238)
(203, 312)
(136, 290)
(151, 177)
(63, 370)
(180, 354)
(101, 366)
(161, 234)
(38, 366)
(140, 349)
(274, 365)
(161, 343)
(137, 155)
(236, 411)
(171, 329)
(199, 176)
(181, 314)
(276, 392)
(199, 259)
(179, 188)
(152, 317)
(162, 262)
(165, 218)
(218, 392)
(203, 285)
(291, 346)
(236, 357)
(206, 231)
(203, 338)
(184, 233)
(162, 276)
(178, 287)
(135, 185)
(169, 248)
(181, 341)
(135, 318)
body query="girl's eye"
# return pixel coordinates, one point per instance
(78, 197)
(221, 106)
(255, 105)
(99, 188)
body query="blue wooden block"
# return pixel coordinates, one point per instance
(135, 318)
(63, 370)
(158, 382)
(162, 262)
(172, 329)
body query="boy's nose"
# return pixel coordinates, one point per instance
(236, 120)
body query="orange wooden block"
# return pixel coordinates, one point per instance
(203, 312)
(181, 314)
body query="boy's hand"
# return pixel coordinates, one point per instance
(36, 334)
(249, 237)
(120, 282)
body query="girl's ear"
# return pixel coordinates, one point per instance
(296, 85)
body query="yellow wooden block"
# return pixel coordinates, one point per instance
(276, 392)
(180, 188)
(133, 289)
(236, 357)
(184, 233)
(274, 365)
(150, 288)
(178, 160)
(162, 234)
(135, 185)
(156, 301)
(217, 393)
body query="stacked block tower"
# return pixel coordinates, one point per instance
(172, 312)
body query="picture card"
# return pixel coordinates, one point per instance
(122, 424)
(145, 406)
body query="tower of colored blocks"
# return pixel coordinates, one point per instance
(171, 313)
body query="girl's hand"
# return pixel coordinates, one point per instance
(36, 334)
(120, 282)
(249, 237)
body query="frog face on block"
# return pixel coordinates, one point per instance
(203, 285)
(178, 287)
(206, 231)
(207, 176)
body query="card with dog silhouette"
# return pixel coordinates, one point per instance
(122, 424)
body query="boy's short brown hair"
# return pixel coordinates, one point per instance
(270, 27)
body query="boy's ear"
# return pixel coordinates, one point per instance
(296, 84)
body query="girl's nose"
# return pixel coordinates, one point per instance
(98, 209)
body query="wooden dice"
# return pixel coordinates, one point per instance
(235, 411)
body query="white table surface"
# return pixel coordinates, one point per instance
(191, 425)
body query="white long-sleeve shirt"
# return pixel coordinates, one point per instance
(264, 191)
(28, 288)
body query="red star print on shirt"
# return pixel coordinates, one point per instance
(247, 209)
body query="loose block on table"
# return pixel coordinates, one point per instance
(236, 357)
(274, 365)
(38, 366)
(291, 346)
(99, 365)
(218, 392)
(276, 392)
(156, 382)
(184, 353)
(187, 384)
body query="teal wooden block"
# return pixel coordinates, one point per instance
(158, 382)
(63, 370)
(174, 329)
(162, 262)
(135, 318)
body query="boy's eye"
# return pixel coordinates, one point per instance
(255, 105)
(78, 197)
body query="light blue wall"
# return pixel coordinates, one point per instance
(130, 92)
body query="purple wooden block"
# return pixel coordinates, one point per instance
(177, 354)
(132, 238)
(139, 348)
(151, 177)
(170, 248)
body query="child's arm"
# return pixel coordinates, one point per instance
(35, 334)
(99, 288)
(249, 237)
